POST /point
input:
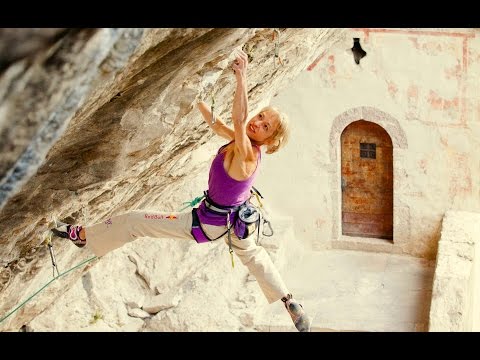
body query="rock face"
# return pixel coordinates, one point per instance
(104, 121)
(18, 43)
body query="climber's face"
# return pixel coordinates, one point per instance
(262, 126)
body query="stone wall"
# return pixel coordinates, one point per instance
(421, 86)
(456, 284)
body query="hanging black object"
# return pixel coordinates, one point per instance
(358, 52)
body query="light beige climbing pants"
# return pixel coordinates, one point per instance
(119, 230)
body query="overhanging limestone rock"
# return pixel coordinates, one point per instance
(104, 121)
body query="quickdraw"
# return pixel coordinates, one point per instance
(229, 226)
(265, 220)
(213, 108)
(48, 240)
(276, 35)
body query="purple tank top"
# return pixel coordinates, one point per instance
(224, 190)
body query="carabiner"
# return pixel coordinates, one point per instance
(269, 225)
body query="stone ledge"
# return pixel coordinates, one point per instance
(455, 304)
(365, 244)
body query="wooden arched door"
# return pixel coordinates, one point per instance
(367, 181)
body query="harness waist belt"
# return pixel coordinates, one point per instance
(211, 205)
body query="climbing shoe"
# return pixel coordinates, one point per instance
(298, 315)
(71, 232)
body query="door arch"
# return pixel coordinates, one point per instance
(367, 180)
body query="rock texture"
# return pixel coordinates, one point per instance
(18, 43)
(104, 121)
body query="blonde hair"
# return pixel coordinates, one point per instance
(280, 137)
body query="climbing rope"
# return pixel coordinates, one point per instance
(44, 286)
(192, 203)
(49, 244)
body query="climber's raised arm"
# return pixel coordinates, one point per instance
(243, 146)
(219, 127)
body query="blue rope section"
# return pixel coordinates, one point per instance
(192, 203)
(44, 286)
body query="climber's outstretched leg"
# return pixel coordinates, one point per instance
(260, 265)
(119, 230)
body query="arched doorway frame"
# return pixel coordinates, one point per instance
(399, 141)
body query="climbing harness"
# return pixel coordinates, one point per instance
(199, 234)
(227, 211)
(245, 213)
